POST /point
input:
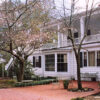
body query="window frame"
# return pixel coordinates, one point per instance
(37, 61)
(95, 52)
(60, 61)
(90, 59)
(48, 63)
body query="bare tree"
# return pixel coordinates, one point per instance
(70, 16)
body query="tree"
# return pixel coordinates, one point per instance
(70, 16)
(20, 30)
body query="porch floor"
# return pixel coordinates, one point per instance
(46, 92)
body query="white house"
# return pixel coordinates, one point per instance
(58, 59)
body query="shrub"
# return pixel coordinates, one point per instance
(34, 77)
(78, 99)
(66, 83)
(22, 84)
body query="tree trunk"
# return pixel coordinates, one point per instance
(78, 72)
(20, 73)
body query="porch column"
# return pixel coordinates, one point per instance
(55, 62)
(82, 27)
(43, 63)
(59, 37)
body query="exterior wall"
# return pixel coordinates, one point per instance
(61, 75)
(94, 69)
(36, 70)
(72, 66)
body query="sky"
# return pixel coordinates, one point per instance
(81, 3)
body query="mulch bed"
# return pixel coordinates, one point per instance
(82, 90)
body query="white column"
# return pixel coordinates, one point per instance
(59, 37)
(43, 63)
(82, 27)
(55, 62)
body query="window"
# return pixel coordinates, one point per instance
(91, 58)
(85, 59)
(89, 32)
(98, 58)
(76, 35)
(37, 61)
(50, 62)
(62, 63)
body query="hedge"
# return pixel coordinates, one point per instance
(33, 83)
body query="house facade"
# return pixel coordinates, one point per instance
(58, 59)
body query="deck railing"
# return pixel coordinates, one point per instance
(88, 39)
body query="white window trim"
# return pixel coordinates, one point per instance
(96, 59)
(87, 59)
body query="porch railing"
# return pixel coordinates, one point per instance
(88, 39)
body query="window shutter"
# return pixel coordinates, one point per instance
(88, 32)
(98, 62)
(98, 58)
(81, 60)
(76, 35)
(40, 61)
(33, 61)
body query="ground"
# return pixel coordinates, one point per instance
(46, 92)
(93, 97)
(6, 83)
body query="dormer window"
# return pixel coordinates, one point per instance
(76, 35)
(88, 32)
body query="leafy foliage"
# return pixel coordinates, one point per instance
(41, 82)
(21, 34)
(66, 83)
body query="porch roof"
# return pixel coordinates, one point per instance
(49, 46)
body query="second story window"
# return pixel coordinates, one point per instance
(88, 32)
(76, 35)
